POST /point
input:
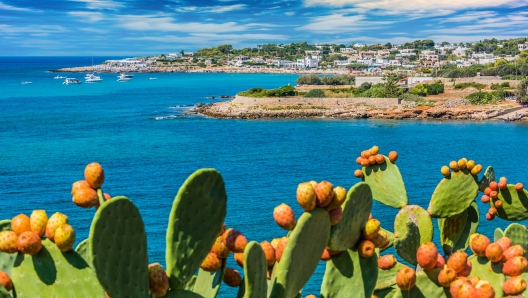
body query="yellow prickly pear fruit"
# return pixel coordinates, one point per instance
(20, 224)
(313, 183)
(94, 175)
(29, 243)
(232, 277)
(462, 163)
(371, 229)
(476, 170)
(275, 242)
(374, 150)
(454, 165)
(38, 222)
(470, 165)
(158, 280)
(306, 196)
(381, 239)
(339, 197)
(8, 242)
(211, 263)
(445, 171)
(324, 193)
(56, 220)
(65, 237)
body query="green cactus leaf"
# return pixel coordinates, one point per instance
(489, 175)
(301, 254)
(385, 293)
(52, 273)
(486, 270)
(190, 285)
(514, 204)
(386, 183)
(195, 220)
(455, 230)
(6, 260)
(350, 275)
(4, 293)
(387, 278)
(356, 210)
(498, 234)
(183, 294)
(518, 235)
(207, 284)
(412, 227)
(427, 286)
(83, 249)
(391, 240)
(118, 246)
(453, 195)
(255, 272)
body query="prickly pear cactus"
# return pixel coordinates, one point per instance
(348, 273)
(514, 204)
(207, 284)
(498, 234)
(118, 246)
(489, 271)
(195, 220)
(83, 249)
(387, 278)
(255, 284)
(6, 260)
(412, 227)
(390, 235)
(489, 175)
(52, 273)
(455, 230)
(518, 235)
(301, 255)
(427, 286)
(386, 183)
(385, 293)
(356, 210)
(453, 195)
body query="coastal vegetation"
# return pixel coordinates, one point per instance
(522, 92)
(313, 79)
(428, 89)
(462, 86)
(260, 92)
(317, 93)
(482, 97)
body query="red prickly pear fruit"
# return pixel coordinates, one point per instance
(239, 259)
(514, 286)
(487, 191)
(476, 170)
(235, 241)
(457, 261)
(515, 266)
(493, 185)
(503, 179)
(492, 211)
(502, 185)
(20, 224)
(158, 280)
(387, 262)
(485, 199)
(445, 171)
(211, 263)
(490, 216)
(358, 173)
(365, 162)
(466, 290)
(306, 196)
(366, 249)
(29, 243)
(519, 187)
(478, 244)
(467, 269)
(393, 156)
(504, 242)
(494, 194)
(324, 193)
(406, 278)
(269, 253)
(85, 197)
(220, 249)
(462, 163)
(440, 262)
(498, 204)
(232, 277)
(358, 160)
(494, 252)
(454, 165)
(374, 150)
(339, 198)
(381, 240)
(371, 229)
(372, 160)
(335, 215)
(222, 230)
(326, 256)
(446, 276)
(38, 222)
(56, 220)
(456, 284)
(6, 281)
(65, 237)
(94, 175)
(78, 185)
(474, 280)
(280, 248)
(8, 242)
(470, 165)
(284, 217)
(427, 255)
(513, 251)
(484, 289)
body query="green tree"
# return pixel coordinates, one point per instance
(522, 91)
(390, 87)
(182, 52)
(225, 48)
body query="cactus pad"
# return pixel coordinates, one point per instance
(455, 230)
(195, 220)
(453, 195)
(4, 293)
(52, 273)
(207, 284)
(182, 294)
(348, 273)
(387, 278)
(514, 204)
(83, 250)
(118, 246)
(385, 293)
(6, 260)
(489, 175)
(301, 254)
(255, 284)
(498, 234)
(412, 227)
(356, 210)
(386, 183)
(426, 287)
(518, 235)
(489, 271)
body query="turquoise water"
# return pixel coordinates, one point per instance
(138, 132)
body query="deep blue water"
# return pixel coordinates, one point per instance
(138, 132)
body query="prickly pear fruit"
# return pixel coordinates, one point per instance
(493, 186)
(498, 204)
(494, 194)
(20, 224)
(515, 266)
(514, 286)
(339, 198)
(474, 280)
(358, 173)
(490, 216)
(381, 239)
(222, 230)
(29, 243)
(513, 251)
(374, 150)
(56, 220)
(393, 156)
(492, 211)
(406, 278)
(455, 285)
(380, 159)
(457, 261)
(326, 255)
(446, 276)
(65, 237)
(275, 241)
(284, 217)
(269, 252)
(476, 170)
(366, 249)
(478, 244)
(371, 229)
(158, 280)
(466, 290)
(324, 193)
(485, 199)
(232, 277)
(220, 249)
(335, 215)
(359, 159)
(487, 191)
(494, 252)
(484, 289)
(467, 269)
(85, 197)
(306, 196)
(470, 165)
(38, 221)
(462, 163)
(94, 175)
(78, 185)
(427, 255)
(519, 187)
(365, 154)
(445, 171)
(8, 242)
(365, 162)
(502, 185)
(504, 242)
(211, 263)
(6, 281)
(372, 160)
(235, 241)
(440, 262)
(280, 248)
(453, 165)
(239, 259)
(387, 262)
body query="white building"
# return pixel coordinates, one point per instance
(311, 61)
(460, 51)
(428, 52)
(359, 45)
(347, 50)
(365, 61)
(395, 63)
(523, 46)
(407, 53)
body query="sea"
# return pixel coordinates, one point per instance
(148, 146)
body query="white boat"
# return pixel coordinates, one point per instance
(124, 77)
(59, 77)
(69, 81)
(92, 78)
(26, 83)
(152, 79)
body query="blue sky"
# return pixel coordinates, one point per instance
(143, 27)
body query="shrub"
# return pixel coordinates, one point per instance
(309, 80)
(419, 90)
(411, 97)
(433, 89)
(500, 86)
(279, 92)
(313, 79)
(480, 98)
(463, 86)
(318, 93)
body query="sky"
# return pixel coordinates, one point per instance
(151, 27)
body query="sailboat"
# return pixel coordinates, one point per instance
(92, 77)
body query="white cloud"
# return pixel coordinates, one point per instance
(289, 13)
(9, 7)
(43, 29)
(213, 9)
(469, 16)
(493, 25)
(210, 38)
(338, 23)
(101, 4)
(87, 16)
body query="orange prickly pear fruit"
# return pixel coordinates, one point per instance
(504, 242)
(494, 194)
(446, 276)
(222, 230)
(339, 197)
(406, 278)
(358, 173)
(280, 248)
(470, 165)
(484, 289)
(38, 222)
(485, 199)
(492, 211)
(158, 280)
(490, 216)
(365, 162)
(519, 187)
(476, 170)
(393, 156)
(493, 186)
(503, 179)
(269, 253)
(513, 251)
(335, 215)
(56, 220)
(85, 197)
(381, 239)
(8, 242)
(275, 241)
(65, 237)
(515, 266)
(358, 160)
(313, 183)
(440, 262)
(487, 191)
(478, 244)
(78, 185)
(467, 270)
(326, 255)
(211, 263)
(235, 241)
(514, 286)
(374, 150)
(324, 192)
(365, 154)
(455, 285)
(462, 163)
(502, 185)
(372, 160)
(29, 243)
(457, 261)
(6, 281)
(239, 259)
(387, 262)
(220, 249)
(494, 252)
(94, 175)
(284, 217)
(427, 255)
(474, 280)
(453, 165)
(232, 277)
(20, 224)
(306, 196)
(380, 159)
(445, 171)
(498, 204)
(366, 249)
(371, 229)
(466, 290)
